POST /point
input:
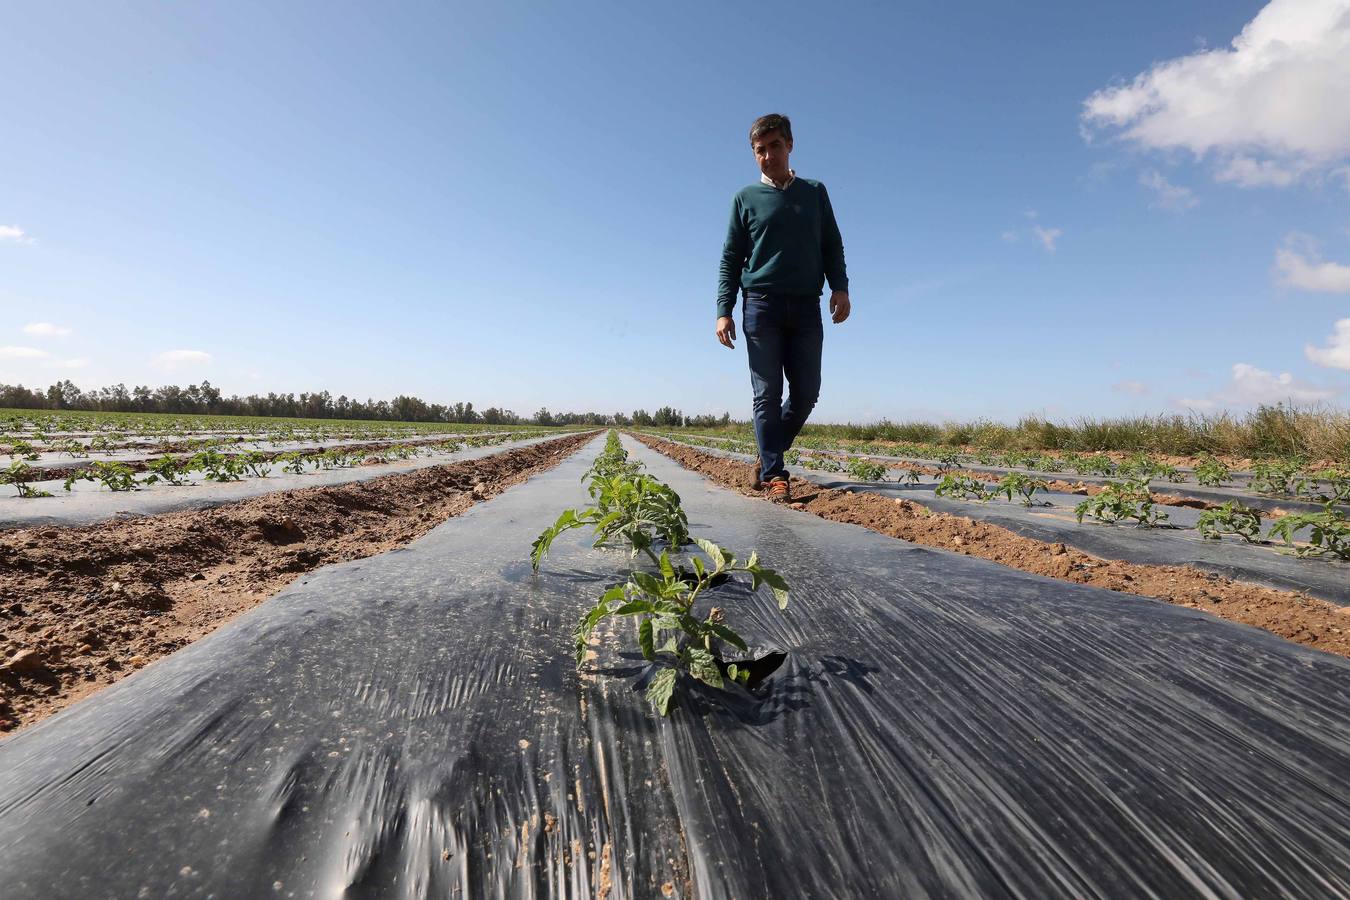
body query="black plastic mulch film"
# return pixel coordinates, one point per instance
(411, 725)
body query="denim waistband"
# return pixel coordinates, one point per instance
(775, 295)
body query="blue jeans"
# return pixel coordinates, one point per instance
(784, 336)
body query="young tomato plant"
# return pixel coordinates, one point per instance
(821, 464)
(1210, 472)
(170, 469)
(1329, 533)
(947, 460)
(1024, 486)
(669, 632)
(20, 474)
(1121, 500)
(867, 470)
(114, 476)
(24, 450)
(962, 487)
(1281, 476)
(1230, 518)
(635, 509)
(1337, 488)
(218, 466)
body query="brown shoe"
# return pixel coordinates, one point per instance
(779, 492)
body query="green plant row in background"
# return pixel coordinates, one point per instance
(1268, 431)
(225, 467)
(1289, 477)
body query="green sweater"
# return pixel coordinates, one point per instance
(783, 242)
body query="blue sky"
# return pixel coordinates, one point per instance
(523, 204)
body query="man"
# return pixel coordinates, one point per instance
(781, 248)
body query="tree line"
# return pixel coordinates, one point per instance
(206, 399)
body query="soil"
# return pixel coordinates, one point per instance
(1304, 620)
(80, 607)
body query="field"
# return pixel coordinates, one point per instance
(388, 659)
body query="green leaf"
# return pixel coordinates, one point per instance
(667, 570)
(777, 585)
(698, 567)
(703, 666)
(661, 689)
(714, 552)
(729, 636)
(645, 640)
(633, 607)
(648, 583)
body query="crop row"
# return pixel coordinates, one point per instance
(212, 465)
(1129, 499)
(1289, 477)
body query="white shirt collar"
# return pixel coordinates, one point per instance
(765, 179)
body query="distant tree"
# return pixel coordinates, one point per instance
(543, 417)
(668, 417)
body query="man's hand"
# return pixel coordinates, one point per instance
(726, 330)
(839, 306)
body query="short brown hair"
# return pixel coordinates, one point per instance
(772, 122)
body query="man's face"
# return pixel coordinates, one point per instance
(771, 152)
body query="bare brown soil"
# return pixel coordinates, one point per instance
(1304, 620)
(80, 607)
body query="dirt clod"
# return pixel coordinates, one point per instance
(25, 662)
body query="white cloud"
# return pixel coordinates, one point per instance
(1269, 110)
(77, 363)
(23, 353)
(1009, 236)
(1336, 355)
(1247, 172)
(45, 329)
(1134, 388)
(13, 233)
(1300, 267)
(1047, 236)
(175, 359)
(1252, 386)
(1168, 195)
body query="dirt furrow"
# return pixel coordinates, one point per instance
(1304, 620)
(80, 607)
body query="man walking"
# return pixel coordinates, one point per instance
(781, 248)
